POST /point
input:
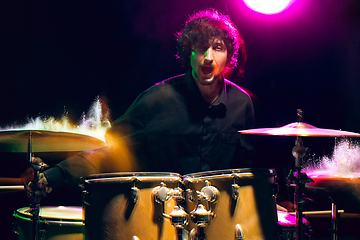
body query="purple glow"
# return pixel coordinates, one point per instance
(267, 6)
(287, 220)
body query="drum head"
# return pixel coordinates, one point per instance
(55, 212)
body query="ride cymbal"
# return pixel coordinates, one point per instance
(300, 129)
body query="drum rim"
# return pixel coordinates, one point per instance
(133, 176)
(23, 213)
(230, 173)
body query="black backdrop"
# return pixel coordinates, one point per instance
(57, 56)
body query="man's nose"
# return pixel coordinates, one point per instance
(209, 55)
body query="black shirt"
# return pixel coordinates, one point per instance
(171, 128)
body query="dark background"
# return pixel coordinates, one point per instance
(57, 56)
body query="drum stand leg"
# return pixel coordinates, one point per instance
(299, 179)
(36, 194)
(35, 198)
(35, 211)
(334, 220)
(298, 199)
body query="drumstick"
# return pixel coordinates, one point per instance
(320, 214)
(20, 187)
(10, 189)
(317, 212)
(10, 181)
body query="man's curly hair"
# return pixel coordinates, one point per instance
(206, 25)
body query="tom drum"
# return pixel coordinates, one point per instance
(232, 204)
(56, 223)
(122, 206)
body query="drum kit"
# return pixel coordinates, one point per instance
(222, 204)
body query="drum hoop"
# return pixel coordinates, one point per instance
(60, 223)
(24, 214)
(127, 177)
(230, 173)
(63, 223)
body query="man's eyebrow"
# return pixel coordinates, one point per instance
(218, 41)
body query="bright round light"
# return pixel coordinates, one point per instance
(267, 6)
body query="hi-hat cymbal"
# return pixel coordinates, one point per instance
(300, 129)
(46, 141)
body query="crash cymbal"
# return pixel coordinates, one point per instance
(300, 129)
(46, 141)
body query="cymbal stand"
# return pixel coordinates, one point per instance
(299, 179)
(36, 194)
(334, 219)
(334, 215)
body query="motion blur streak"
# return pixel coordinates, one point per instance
(344, 162)
(94, 123)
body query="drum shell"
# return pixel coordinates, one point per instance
(57, 223)
(254, 210)
(111, 214)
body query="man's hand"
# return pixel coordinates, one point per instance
(286, 206)
(28, 180)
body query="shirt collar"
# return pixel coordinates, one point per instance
(193, 88)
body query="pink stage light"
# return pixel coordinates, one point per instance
(267, 6)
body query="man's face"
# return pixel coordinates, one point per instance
(209, 64)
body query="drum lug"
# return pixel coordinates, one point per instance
(161, 193)
(135, 238)
(86, 198)
(211, 193)
(200, 216)
(238, 232)
(235, 191)
(189, 195)
(179, 217)
(135, 194)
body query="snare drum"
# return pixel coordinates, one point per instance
(287, 222)
(245, 207)
(122, 206)
(56, 223)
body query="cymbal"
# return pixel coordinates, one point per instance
(46, 141)
(331, 182)
(300, 129)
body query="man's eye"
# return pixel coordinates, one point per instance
(218, 48)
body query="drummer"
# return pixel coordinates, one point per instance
(187, 123)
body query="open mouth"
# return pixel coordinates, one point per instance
(207, 69)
